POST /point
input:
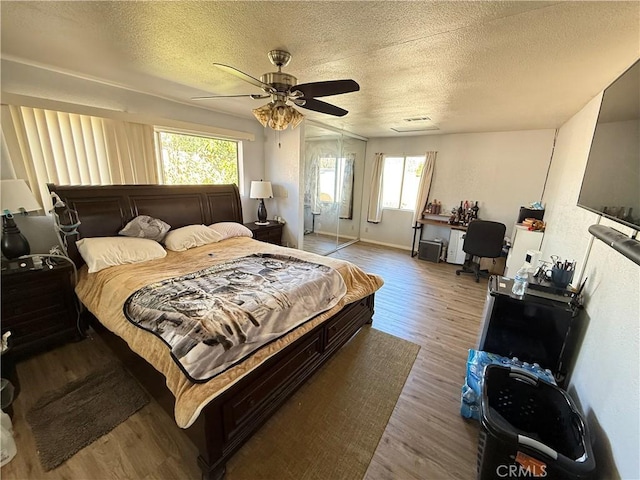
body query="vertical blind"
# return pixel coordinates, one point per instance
(47, 146)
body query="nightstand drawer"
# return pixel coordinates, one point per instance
(274, 236)
(16, 289)
(39, 326)
(13, 306)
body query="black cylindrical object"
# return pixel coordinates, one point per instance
(530, 429)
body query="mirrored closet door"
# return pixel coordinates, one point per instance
(333, 177)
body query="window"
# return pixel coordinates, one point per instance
(194, 159)
(401, 179)
(328, 179)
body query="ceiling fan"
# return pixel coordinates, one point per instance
(283, 89)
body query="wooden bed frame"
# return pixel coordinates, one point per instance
(228, 421)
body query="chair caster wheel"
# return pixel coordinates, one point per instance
(457, 273)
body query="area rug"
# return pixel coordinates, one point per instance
(65, 421)
(331, 427)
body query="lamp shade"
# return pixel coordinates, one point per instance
(16, 197)
(278, 115)
(260, 190)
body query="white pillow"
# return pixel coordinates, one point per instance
(231, 229)
(102, 252)
(184, 238)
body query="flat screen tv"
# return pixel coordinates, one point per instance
(611, 183)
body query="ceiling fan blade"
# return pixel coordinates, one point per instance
(322, 107)
(329, 87)
(243, 76)
(252, 95)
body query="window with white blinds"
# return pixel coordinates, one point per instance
(47, 146)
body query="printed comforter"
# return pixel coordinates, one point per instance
(214, 318)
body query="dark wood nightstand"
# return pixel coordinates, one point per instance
(38, 307)
(271, 233)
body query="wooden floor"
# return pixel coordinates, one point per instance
(425, 439)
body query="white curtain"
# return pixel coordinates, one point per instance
(425, 185)
(374, 214)
(47, 146)
(346, 190)
(312, 174)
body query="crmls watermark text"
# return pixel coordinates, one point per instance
(519, 471)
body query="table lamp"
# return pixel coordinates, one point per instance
(15, 198)
(261, 190)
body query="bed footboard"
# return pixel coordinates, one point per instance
(230, 419)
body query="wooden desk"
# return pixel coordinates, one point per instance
(443, 221)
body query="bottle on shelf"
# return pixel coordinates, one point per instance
(474, 211)
(464, 219)
(521, 281)
(429, 207)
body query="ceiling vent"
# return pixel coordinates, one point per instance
(417, 119)
(416, 128)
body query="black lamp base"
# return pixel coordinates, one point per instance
(14, 244)
(262, 213)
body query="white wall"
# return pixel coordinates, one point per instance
(283, 168)
(501, 170)
(605, 378)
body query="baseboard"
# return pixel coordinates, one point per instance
(333, 234)
(384, 244)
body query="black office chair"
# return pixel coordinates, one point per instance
(484, 239)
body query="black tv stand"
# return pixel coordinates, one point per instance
(535, 328)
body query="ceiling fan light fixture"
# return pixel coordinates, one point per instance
(284, 90)
(278, 115)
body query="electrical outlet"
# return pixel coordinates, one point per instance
(366, 229)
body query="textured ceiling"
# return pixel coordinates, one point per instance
(468, 66)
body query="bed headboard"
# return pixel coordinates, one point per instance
(104, 210)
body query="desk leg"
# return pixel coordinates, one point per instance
(313, 221)
(413, 243)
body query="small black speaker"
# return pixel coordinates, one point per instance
(430, 250)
